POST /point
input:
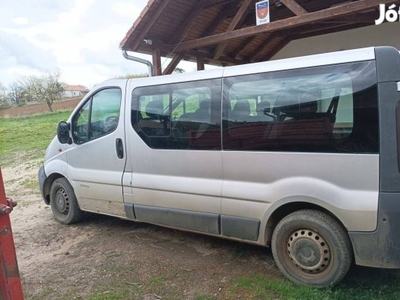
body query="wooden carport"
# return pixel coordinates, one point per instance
(224, 32)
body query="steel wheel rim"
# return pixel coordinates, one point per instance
(308, 251)
(62, 201)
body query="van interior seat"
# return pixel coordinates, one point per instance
(240, 112)
(203, 113)
(192, 125)
(153, 124)
(264, 106)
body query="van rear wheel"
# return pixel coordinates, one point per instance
(312, 248)
(63, 202)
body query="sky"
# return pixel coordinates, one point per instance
(78, 37)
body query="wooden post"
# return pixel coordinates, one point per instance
(200, 63)
(156, 53)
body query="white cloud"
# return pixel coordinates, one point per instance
(72, 18)
(20, 21)
(81, 38)
(17, 63)
(126, 9)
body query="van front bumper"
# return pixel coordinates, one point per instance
(381, 248)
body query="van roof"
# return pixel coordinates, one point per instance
(273, 65)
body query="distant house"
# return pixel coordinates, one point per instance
(74, 91)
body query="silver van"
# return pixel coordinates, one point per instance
(301, 155)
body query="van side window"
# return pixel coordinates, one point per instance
(153, 118)
(179, 116)
(322, 109)
(99, 116)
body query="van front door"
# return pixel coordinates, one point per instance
(96, 159)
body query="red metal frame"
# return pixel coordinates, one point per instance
(10, 282)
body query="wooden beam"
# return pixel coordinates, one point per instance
(209, 3)
(224, 13)
(145, 30)
(276, 49)
(325, 30)
(294, 7)
(187, 22)
(368, 18)
(240, 14)
(318, 16)
(238, 18)
(261, 47)
(241, 47)
(172, 65)
(156, 54)
(194, 54)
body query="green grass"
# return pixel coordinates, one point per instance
(367, 284)
(30, 135)
(258, 287)
(109, 295)
(30, 183)
(203, 297)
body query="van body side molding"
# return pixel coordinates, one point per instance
(130, 211)
(178, 218)
(242, 228)
(211, 223)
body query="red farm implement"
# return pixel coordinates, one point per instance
(10, 282)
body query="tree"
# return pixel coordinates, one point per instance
(3, 96)
(179, 70)
(46, 88)
(2, 91)
(15, 94)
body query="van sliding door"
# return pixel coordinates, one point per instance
(174, 143)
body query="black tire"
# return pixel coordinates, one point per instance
(63, 202)
(312, 248)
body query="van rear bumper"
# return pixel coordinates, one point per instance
(381, 248)
(42, 179)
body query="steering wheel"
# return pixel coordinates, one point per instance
(110, 123)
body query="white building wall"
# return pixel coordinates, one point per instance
(387, 34)
(69, 94)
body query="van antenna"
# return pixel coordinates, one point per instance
(139, 60)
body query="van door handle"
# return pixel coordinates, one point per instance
(120, 148)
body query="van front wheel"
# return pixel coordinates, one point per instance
(311, 248)
(63, 202)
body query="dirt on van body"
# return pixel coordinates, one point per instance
(103, 255)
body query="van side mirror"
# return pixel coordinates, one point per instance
(63, 133)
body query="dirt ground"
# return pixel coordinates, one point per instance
(102, 254)
(39, 108)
